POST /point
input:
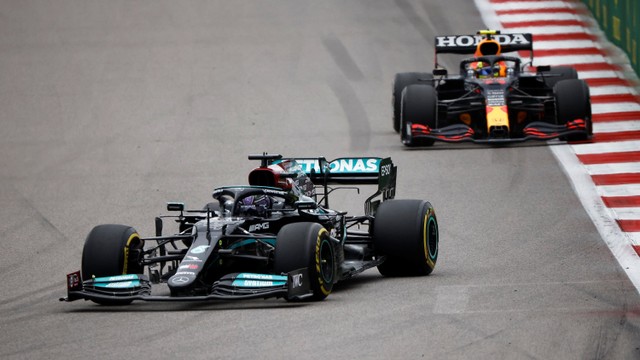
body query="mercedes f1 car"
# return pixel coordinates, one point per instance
(494, 99)
(276, 237)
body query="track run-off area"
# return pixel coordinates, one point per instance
(605, 172)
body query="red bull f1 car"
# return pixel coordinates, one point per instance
(275, 237)
(494, 98)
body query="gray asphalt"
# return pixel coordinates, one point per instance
(111, 108)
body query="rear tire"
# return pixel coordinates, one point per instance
(560, 73)
(401, 81)
(111, 250)
(307, 245)
(419, 106)
(406, 232)
(573, 102)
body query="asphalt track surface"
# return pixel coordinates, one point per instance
(109, 109)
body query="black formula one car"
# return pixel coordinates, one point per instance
(494, 99)
(276, 237)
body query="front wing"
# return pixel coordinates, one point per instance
(534, 131)
(125, 288)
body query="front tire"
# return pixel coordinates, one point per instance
(419, 106)
(307, 245)
(401, 81)
(111, 250)
(406, 232)
(574, 102)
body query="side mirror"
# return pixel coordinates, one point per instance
(175, 206)
(440, 72)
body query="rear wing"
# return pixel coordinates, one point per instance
(347, 170)
(467, 44)
(351, 170)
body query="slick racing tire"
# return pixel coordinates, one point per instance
(401, 81)
(111, 250)
(307, 245)
(559, 73)
(406, 232)
(573, 102)
(419, 106)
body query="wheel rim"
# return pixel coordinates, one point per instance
(326, 262)
(432, 238)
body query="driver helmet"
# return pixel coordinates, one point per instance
(270, 176)
(255, 205)
(488, 47)
(485, 71)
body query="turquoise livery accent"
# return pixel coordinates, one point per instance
(252, 276)
(119, 285)
(108, 279)
(118, 282)
(358, 165)
(259, 280)
(257, 283)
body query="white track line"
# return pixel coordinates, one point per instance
(537, 16)
(569, 59)
(627, 213)
(620, 243)
(609, 90)
(614, 107)
(600, 148)
(599, 74)
(617, 168)
(633, 237)
(553, 29)
(619, 190)
(612, 127)
(531, 5)
(564, 44)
